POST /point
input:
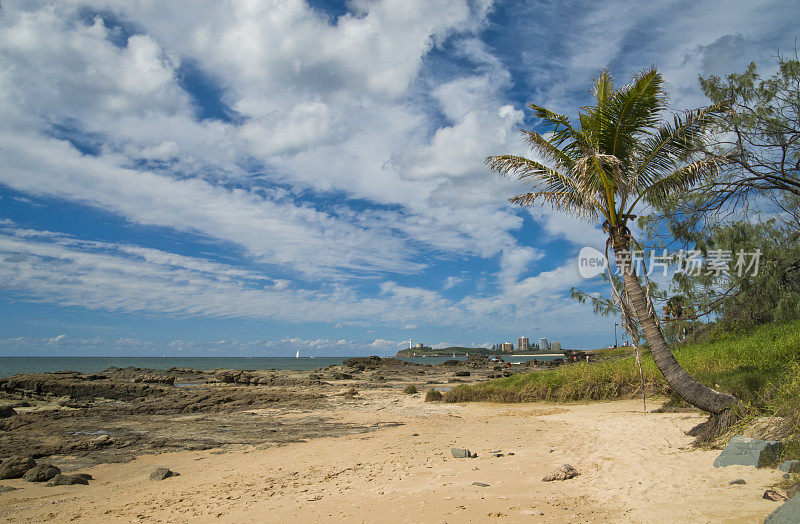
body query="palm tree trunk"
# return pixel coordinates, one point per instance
(689, 389)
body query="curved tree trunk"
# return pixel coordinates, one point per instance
(692, 391)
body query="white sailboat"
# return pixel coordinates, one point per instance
(297, 355)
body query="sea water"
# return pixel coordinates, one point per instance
(13, 365)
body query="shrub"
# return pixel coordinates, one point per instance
(433, 396)
(410, 389)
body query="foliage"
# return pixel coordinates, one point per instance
(411, 389)
(761, 368)
(433, 396)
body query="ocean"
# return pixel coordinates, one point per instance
(13, 365)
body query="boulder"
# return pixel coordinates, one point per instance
(15, 467)
(7, 411)
(790, 466)
(162, 473)
(737, 481)
(67, 480)
(564, 472)
(746, 451)
(787, 513)
(462, 453)
(41, 473)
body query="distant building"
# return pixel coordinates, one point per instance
(507, 346)
(555, 346)
(419, 345)
(523, 344)
(543, 344)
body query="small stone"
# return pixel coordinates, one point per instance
(460, 453)
(790, 466)
(67, 480)
(498, 455)
(162, 473)
(771, 494)
(511, 454)
(41, 473)
(737, 481)
(564, 472)
(415, 434)
(480, 484)
(7, 411)
(15, 467)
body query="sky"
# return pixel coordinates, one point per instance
(257, 177)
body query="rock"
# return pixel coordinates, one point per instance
(736, 481)
(15, 467)
(102, 440)
(67, 480)
(498, 455)
(7, 411)
(462, 453)
(793, 490)
(154, 379)
(462, 373)
(564, 472)
(83, 476)
(771, 494)
(787, 513)
(342, 376)
(790, 466)
(3, 489)
(162, 473)
(480, 484)
(41, 473)
(746, 451)
(511, 454)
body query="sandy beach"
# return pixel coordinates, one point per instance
(634, 467)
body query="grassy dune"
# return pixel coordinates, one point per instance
(761, 368)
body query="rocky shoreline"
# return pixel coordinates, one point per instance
(82, 419)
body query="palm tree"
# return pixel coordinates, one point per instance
(620, 155)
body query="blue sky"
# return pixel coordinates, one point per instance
(258, 177)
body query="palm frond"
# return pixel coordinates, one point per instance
(682, 179)
(672, 142)
(577, 204)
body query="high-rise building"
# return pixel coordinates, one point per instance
(523, 344)
(555, 346)
(507, 346)
(543, 344)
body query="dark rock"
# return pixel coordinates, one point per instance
(787, 513)
(162, 473)
(67, 480)
(15, 467)
(790, 466)
(771, 494)
(3, 489)
(83, 476)
(342, 376)
(564, 472)
(511, 454)
(737, 481)
(461, 453)
(41, 473)
(7, 411)
(462, 373)
(746, 451)
(498, 455)
(480, 484)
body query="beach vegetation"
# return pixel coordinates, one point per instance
(411, 389)
(433, 396)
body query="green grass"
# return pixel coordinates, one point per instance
(762, 368)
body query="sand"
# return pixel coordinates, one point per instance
(634, 467)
